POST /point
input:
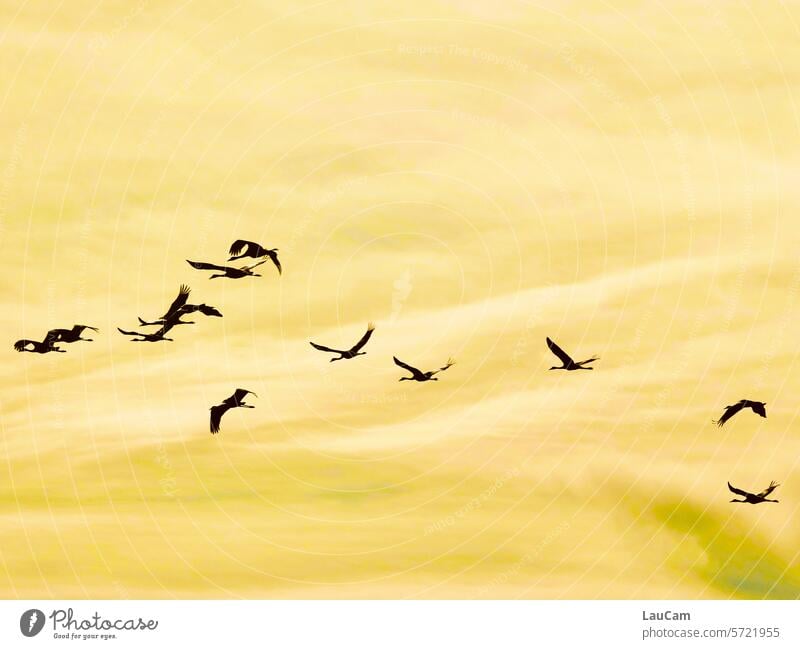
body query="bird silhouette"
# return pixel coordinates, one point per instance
(758, 407)
(754, 499)
(236, 400)
(418, 375)
(227, 271)
(255, 250)
(348, 353)
(71, 335)
(40, 347)
(566, 360)
(155, 337)
(179, 307)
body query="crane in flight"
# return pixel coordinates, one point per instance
(754, 499)
(354, 351)
(566, 360)
(255, 250)
(227, 271)
(180, 307)
(236, 400)
(39, 347)
(418, 375)
(758, 407)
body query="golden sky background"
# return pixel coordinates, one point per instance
(472, 176)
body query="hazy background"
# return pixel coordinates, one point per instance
(472, 176)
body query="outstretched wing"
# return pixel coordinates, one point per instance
(239, 245)
(216, 417)
(730, 411)
(201, 265)
(450, 363)
(759, 408)
(322, 348)
(364, 338)
(208, 310)
(274, 257)
(128, 333)
(772, 486)
(241, 393)
(406, 366)
(738, 491)
(54, 336)
(562, 355)
(178, 302)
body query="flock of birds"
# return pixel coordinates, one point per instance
(240, 249)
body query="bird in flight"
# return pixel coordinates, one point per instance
(71, 335)
(566, 360)
(236, 400)
(39, 347)
(227, 271)
(417, 375)
(179, 307)
(155, 337)
(252, 249)
(754, 499)
(758, 407)
(354, 351)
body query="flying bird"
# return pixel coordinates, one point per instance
(39, 347)
(227, 271)
(71, 335)
(236, 400)
(252, 249)
(155, 337)
(179, 307)
(418, 375)
(758, 407)
(566, 360)
(754, 499)
(348, 353)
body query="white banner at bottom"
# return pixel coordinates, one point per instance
(398, 624)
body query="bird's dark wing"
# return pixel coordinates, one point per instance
(208, 310)
(364, 338)
(406, 366)
(169, 324)
(738, 491)
(216, 416)
(322, 348)
(241, 393)
(562, 355)
(772, 486)
(54, 335)
(263, 261)
(179, 301)
(21, 344)
(201, 265)
(274, 257)
(238, 245)
(730, 411)
(759, 408)
(129, 333)
(82, 328)
(450, 363)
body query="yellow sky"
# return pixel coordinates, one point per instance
(619, 176)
